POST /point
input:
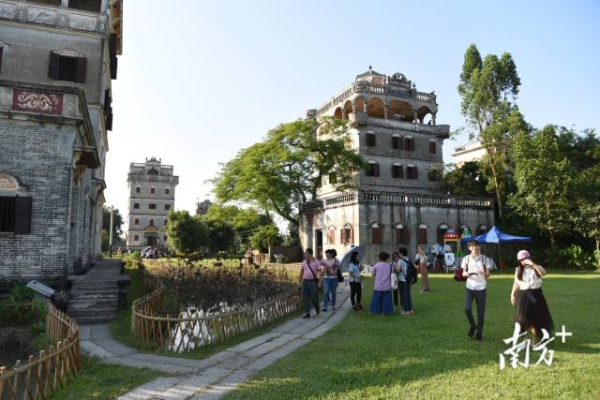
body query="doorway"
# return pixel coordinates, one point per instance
(319, 243)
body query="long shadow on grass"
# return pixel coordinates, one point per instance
(366, 352)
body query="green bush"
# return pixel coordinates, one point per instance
(576, 258)
(20, 309)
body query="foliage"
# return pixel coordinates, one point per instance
(117, 222)
(222, 235)
(20, 309)
(221, 286)
(244, 221)
(265, 236)
(578, 259)
(488, 89)
(284, 171)
(292, 238)
(469, 180)
(187, 235)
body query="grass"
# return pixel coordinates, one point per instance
(120, 328)
(429, 356)
(103, 381)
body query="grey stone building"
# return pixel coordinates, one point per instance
(400, 200)
(57, 60)
(202, 208)
(151, 197)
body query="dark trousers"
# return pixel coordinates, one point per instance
(395, 293)
(405, 298)
(310, 292)
(480, 297)
(355, 292)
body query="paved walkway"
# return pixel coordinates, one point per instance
(218, 375)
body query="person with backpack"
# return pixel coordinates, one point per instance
(407, 274)
(381, 302)
(532, 312)
(476, 268)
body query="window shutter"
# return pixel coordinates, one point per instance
(415, 173)
(401, 143)
(351, 235)
(80, 69)
(376, 234)
(398, 236)
(1, 50)
(422, 236)
(332, 236)
(375, 169)
(406, 236)
(23, 215)
(343, 236)
(395, 142)
(371, 140)
(432, 148)
(53, 65)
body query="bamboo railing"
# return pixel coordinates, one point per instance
(41, 375)
(191, 330)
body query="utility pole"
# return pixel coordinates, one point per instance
(110, 232)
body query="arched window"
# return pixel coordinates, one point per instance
(402, 236)
(376, 234)
(359, 104)
(397, 142)
(412, 172)
(375, 108)
(372, 168)
(347, 109)
(409, 143)
(152, 172)
(347, 234)
(397, 171)
(422, 234)
(440, 233)
(338, 113)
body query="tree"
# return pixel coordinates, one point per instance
(187, 235)
(283, 172)
(547, 183)
(265, 236)
(117, 222)
(243, 220)
(488, 89)
(221, 234)
(469, 180)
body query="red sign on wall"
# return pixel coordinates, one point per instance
(45, 103)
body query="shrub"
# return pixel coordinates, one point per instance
(576, 258)
(20, 309)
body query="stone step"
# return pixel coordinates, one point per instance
(104, 311)
(94, 319)
(85, 295)
(112, 305)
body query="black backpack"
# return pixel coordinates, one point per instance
(411, 272)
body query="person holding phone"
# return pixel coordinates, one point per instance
(532, 312)
(476, 268)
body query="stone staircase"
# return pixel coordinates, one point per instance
(95, 296)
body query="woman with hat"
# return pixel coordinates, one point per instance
(532, 312)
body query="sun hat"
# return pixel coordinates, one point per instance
(523, 254)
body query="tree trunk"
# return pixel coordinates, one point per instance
(494, 175)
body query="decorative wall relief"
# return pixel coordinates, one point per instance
(8, 11)
(45, 103)
(7, 182)
(41, 15)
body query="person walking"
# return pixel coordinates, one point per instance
(423, 261)
(330, 265)
(309, 279)
(476, 268)
(355, 281)
(532, 312)
(403, 285)
(381, 301)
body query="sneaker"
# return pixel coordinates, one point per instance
(305, 316)
(471, 332)
(404, 313)
(324, 309)
(411, 312)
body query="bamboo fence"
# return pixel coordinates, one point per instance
(41, 375)
(188, 331)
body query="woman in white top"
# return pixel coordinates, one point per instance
(423, 261)
(532, 311)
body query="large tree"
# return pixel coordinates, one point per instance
(284, 171)
(468, 180)
(117, 222)
(245, 221)
(488, 90)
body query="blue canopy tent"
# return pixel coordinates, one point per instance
(496, 236)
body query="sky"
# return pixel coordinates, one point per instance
(200, 80)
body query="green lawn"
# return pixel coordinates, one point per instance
(103, 381)
(428, 355)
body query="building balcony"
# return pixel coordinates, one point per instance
(81, 15)
(152, 178)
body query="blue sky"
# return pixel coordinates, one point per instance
(200, 80)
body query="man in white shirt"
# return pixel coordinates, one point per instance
(476, 268)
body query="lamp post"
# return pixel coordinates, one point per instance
(110, 232)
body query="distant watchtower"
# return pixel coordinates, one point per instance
(399, 200)
(151, 197)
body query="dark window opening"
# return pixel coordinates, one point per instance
(412, 173)
(152, 206)
(67, 68)
(371, 140)
(137, 190)
(432, 148)
(167, 191)
(86, 5)
(346, 236)
(136, 238)
(395, 142)
(1, 51)
(373, 170)
(402, 236)
(376, 236)
(397, 171)
(152, 190)
(152, 221)
(7, 214)
(137, 221)
(167, 207)
(422, 235)
(333, 178)
(409, 143)
(136, 206)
